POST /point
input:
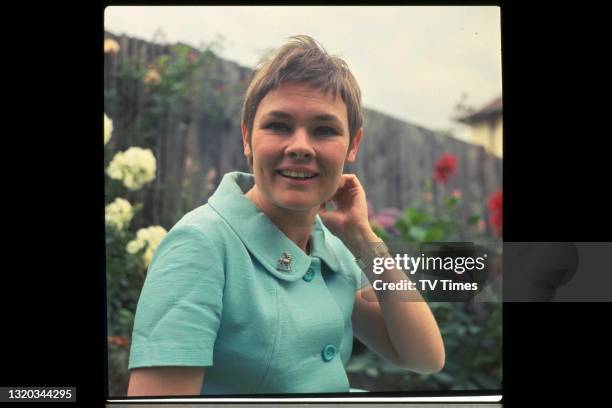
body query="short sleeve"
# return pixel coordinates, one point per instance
(362, 280)
(179, 309)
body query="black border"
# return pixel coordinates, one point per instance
(555, 177)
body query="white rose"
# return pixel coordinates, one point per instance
(135, 167)
(150, 237)
(134, 246)
(108, 128)
(119, 213)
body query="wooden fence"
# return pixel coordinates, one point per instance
(195, 143)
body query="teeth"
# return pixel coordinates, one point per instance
(296, 174)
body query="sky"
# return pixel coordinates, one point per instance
(412, 62)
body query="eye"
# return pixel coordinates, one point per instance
(277, 127)
(325, 131)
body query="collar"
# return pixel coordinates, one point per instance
(261, 237)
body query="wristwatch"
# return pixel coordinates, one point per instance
(379, 250)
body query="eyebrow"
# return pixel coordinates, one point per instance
(285, 115)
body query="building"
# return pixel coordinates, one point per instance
(485, 126)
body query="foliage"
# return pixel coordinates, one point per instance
(169, 85)
(472, 339)
(124, 278)
(175, 81)
(471, 330)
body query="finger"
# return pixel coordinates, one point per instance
(351, 179)
(341, 183)
(345, 183)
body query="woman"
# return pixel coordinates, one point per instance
(259, 291)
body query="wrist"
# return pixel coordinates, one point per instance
(361, 241)
(375, 250)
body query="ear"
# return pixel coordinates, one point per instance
(352, 153)
(245, 142)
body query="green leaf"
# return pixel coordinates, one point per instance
(434, 234)
(403, 228)
(473, 219)
(418, 233)
(451, 201)
(125, 316)
(415, 216)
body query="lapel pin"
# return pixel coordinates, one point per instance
(284, 263)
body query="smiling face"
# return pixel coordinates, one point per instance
(298, 147)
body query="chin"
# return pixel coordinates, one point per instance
(297, 203)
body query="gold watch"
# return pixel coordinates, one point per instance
(379, 250)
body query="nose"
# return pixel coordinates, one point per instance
(300, 145)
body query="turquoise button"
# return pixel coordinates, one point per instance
(328, 352)
(309, 275)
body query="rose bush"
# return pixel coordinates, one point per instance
(471, 330)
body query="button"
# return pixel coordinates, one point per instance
(309, 275)
(328, 352)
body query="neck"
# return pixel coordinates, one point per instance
(296, 225)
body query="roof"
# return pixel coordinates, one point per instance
(491, 109)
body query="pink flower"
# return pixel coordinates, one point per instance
(386, 219)
(456, 193)
(481, 225)
(390, 211)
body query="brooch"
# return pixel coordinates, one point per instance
(284, 263)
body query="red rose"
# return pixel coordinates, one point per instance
(495, 204)
(118, 341)
(445, 168)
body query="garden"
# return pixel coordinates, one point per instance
(136, 154)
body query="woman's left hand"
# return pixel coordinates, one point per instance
(349, 221)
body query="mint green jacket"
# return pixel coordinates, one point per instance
(227, 290)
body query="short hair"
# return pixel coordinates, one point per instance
(304, 60)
